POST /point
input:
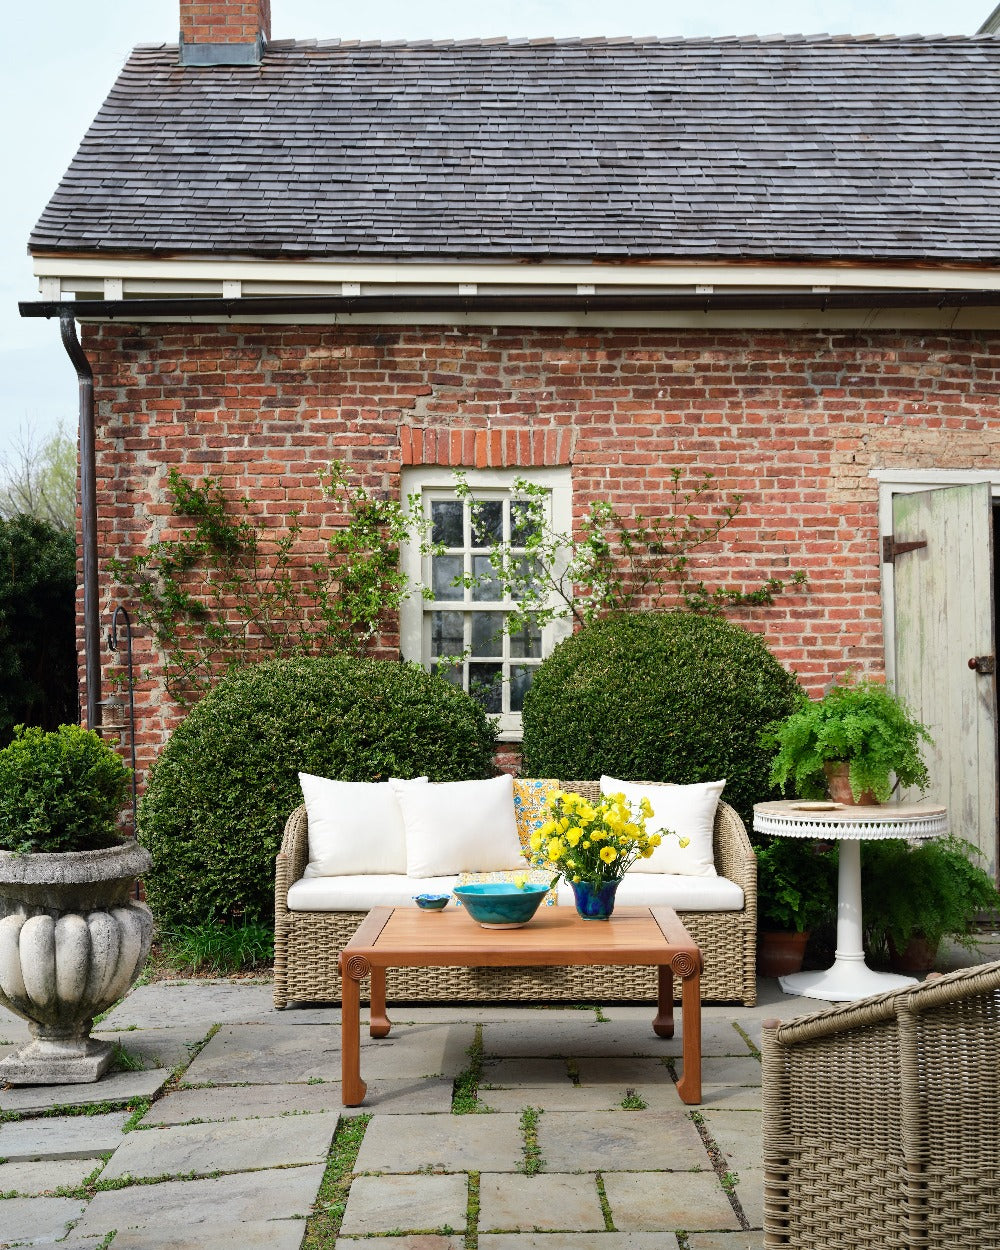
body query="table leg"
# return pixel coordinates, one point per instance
(689, 970)
(352, 971)
(663, 1025)
(379, 1023)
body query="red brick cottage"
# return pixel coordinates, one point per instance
(585, 261)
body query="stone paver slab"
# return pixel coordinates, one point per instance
(544, 1039)
(267, 1055)
(623, 1072)
(156, 1048)
(36, 1221)
(517, 1073)
(417, 1241)
(273, 1235)
(451, 1143)
(730, 1070)
(164, 1003)
(417, 1050)
(287, 1194)
(119, 1087)
(719, 1035)
(385, 1204)
(13, 1030)
(731, 1098)
(36, 1177)
(726, 1241)
(239, 1146)
(657, 1201)
(738, 1136)
(539, 1203)
(62, 1137)
(575, 1241)
(621, 1141)
(750, 1192)
(580, 1098)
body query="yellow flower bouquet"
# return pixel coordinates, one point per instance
(593, 845)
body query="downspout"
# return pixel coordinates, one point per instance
(88, 517)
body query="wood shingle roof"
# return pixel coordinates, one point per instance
(833, 148)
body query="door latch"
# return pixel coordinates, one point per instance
(983, 664)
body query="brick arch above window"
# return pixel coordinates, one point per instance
(509, 447)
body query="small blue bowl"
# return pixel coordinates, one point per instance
(432, 902)
(500, 905)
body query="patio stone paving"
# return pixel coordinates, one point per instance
(61, 1137)
(35, 1177)
(385, 1204)
(37, 1219)
(115, 1087)
(449, 1143)
(738, 1136)
(540, 1203)
(649, 1201)
(621, 1141)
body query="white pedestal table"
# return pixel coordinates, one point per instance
(849, 977)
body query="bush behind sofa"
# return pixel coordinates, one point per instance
(307, 943)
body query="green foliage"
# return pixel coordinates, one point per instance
(796, 884)
(613, 563)
(217, 948)
(60, 791)
(933, 889)
(861, 723)
(38, 479)
(37, 625)
(230, 590)
(220, 792)
(658, 697)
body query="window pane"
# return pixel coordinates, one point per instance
(520, 680)
(527, 642)
(444, 570)
(487, 523)
(487, 633)
(522, 522)
(527, 575)
(447, 633)
(450, 672)
(446, 522)
(490, 588)
(486, 685)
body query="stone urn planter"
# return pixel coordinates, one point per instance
(72, 941)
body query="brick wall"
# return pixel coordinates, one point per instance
(224, 21)
(792, 420)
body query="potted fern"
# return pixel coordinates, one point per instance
(795, 894)
(849, 745)
(72, 940)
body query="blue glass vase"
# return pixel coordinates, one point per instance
(595, 902)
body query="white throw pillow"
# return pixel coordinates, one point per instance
(688, 811)
(459, 826)
(355, 827)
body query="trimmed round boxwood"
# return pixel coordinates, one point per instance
(658, 697)
(221, 791)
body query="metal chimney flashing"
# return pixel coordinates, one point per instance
(222, 53)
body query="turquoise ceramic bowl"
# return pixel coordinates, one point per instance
(432, 902)
(500, 905)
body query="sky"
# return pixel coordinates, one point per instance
(59, 58)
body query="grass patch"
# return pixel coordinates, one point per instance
(633, 1101)
(125, 1061)
(216, 948)
(609, 1224)
(323, 1225)
(531, 1153)
(472, 1213)
(465, 1091)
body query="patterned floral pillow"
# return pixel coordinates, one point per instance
(529, 808)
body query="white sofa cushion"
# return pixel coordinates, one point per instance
(459, 826)
(682, 893)
(688, 811)
(354, 826)
(361, 893)
(364, 891)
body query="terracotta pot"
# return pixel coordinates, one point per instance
(780, 952)
(838, 784)
(916, 958)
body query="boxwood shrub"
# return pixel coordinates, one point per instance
(220, 792)
(658, 697)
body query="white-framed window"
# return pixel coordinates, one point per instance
(459, 630)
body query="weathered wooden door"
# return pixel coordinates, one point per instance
(944, 649)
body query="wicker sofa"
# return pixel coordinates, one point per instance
(882, 1120)
(306, 943)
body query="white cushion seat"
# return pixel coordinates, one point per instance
(362, 892)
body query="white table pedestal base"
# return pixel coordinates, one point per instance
(849, 977)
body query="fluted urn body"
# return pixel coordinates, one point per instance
(72, 941)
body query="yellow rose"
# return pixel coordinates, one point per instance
(682, 842)
(535, 841)
(573, 836)
(555, 849)
(608, 854)
(521, 880)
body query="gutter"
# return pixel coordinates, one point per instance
(669, 301)
(88, 515)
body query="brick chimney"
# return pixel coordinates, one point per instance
(224, 32)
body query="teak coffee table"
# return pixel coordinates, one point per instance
(406, 937)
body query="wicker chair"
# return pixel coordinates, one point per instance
(882, 1120)
(306, 944)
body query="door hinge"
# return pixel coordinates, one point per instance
(983, 664)
(893, 547)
